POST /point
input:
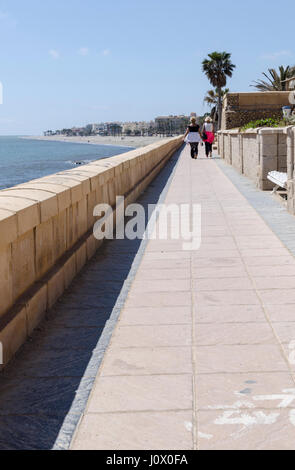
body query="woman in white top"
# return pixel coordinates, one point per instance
(208, 130)
(193, 137)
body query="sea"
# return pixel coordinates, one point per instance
(22, 160)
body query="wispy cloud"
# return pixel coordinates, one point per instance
(106, 52)
(54, 54)
(277, 55)
(84, 51)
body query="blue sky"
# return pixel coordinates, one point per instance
(72, 62)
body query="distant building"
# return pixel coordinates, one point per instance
(114, 128)
(77, 130)
(141, 127)
(170, 125)
(100, 128)
(165, 125)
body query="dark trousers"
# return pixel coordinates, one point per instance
(194, 149)
(208, 148)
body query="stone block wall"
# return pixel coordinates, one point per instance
(46, 228)
(273, 154)
(255, 152)
(241, 108)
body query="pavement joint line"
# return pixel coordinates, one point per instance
(178, 374)
(161, 292)
(144, 348)
(180, 410)
(153, 348)
(168, 410)
(257, 408)
(152, 324)
(162, 374)
(209, 323)
(245, 372)
(232, 322)
(264, 289)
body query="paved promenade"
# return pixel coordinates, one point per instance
(201, 356)
(154, 347)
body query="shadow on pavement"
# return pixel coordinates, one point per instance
(60, 362)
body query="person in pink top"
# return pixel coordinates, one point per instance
(208, 130)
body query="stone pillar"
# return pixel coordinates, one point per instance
(227, 147)
(219, 146)
(268, 140)
(230, 161)
(290, 169)
(290, 152)
(241, 148)
(220, 140)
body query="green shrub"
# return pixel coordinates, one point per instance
(269, 122)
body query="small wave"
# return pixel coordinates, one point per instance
(78, 162)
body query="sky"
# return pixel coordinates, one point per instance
(66, 63)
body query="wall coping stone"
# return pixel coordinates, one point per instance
(47, 196)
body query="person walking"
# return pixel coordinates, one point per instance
(208, 131)
(193, 137)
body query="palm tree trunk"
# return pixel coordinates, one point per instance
(214, 117)
(219, 108)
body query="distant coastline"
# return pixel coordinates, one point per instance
(128, 141)
(23, 159)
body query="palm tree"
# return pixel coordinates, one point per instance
(211, 99)
(276, 80)
(218, 66)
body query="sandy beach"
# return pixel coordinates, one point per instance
(131, 141)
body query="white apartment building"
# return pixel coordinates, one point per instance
(137, 126)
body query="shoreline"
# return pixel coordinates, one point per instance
(129, 142)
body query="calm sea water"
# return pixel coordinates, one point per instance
(22, 160)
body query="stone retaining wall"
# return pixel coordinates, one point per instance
(46, 228)
(241, 108)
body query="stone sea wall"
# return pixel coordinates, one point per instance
(46, 232)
